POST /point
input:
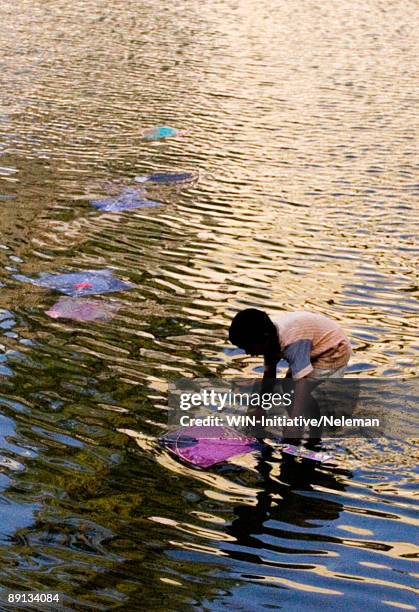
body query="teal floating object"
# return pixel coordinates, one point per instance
(159, 132)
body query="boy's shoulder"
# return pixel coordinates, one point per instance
(297, 316)
(302, 324)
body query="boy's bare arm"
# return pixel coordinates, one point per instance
(269, 375)
(270, 370)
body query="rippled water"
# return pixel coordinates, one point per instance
(300, 118)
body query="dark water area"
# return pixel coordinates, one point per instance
(300, 118)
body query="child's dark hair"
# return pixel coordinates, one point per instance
(250, 326)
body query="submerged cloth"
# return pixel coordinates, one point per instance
(166, 177)
(323, 373)
(129, 198)
(87, 282)
(206, 446)
(82, 309)
(310, 340)
(159, 132)
(305, 453)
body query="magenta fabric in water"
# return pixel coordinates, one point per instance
(82, 309)
(206, 446)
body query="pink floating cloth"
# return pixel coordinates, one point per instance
(81, 309)
(206, 446)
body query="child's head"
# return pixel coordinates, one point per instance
(252, 330)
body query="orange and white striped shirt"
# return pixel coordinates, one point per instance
(309, 340)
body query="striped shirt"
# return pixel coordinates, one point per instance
(310, 340)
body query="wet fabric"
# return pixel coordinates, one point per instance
(166, 177)
(87, 282)
(206, 446)
(129, 198)
(305, 453)
(82, 309)
(159, 132)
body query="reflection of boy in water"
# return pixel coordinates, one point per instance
(279, 499)
(314, 346)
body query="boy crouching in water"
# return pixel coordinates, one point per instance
(315, 347)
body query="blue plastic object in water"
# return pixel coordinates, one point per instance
(87, 282)
(129, 198)
(166, 177)
(159, 132)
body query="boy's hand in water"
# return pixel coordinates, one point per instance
(255, 430)
(302, 406)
